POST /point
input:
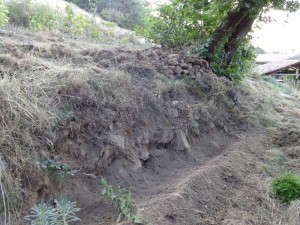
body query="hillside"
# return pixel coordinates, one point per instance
(190, 146)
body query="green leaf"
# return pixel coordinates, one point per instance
(103, 192)
(104, 182)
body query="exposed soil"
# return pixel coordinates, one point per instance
(185, 143)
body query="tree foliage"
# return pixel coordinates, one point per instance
(217, 30)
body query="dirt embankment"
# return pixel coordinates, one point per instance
(162, 125)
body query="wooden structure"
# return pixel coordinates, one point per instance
(280, 69)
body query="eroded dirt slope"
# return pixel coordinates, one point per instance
(188, 145)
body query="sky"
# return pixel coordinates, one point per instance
(281, 36)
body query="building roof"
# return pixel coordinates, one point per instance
(275, 66)
(295, 57)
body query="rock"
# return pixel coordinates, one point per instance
(168, 72)
(117, 140)
(198, 62)
(143, 154)
(175, 113)
(191, 69)
(176, 56)
(142, 138)
(184, 65)
(157, 152)
(190, 60)
(178, 70)
(173, 62)
(180, 142)
(162, 67)
(167, 136)
(163, 54)
(186, 72)
(198, 76)
(195, 128)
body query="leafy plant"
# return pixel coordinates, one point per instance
(3, 14)
(44, 18)
(45, 214)
(121, 197)
(66, 211)
(42, 214)
(80, 24)
(286, 187)
(56, 169)
(137, 218)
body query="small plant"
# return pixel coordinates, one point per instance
(121, 197)
(3, 14)
(61, 213)
(286, 187)
(44, 18)
(137, 218)
(56, 169)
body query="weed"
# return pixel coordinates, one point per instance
(286, 187)
(121, 197)
(137, 218)
(56, 169)
(44, 18)
(62, 214)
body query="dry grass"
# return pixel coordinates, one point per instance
(268, 107)
(30, 102)
(25, 121)
(268, 212)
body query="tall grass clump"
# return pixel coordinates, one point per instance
(26, 117)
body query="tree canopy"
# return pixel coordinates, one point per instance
(217, 30)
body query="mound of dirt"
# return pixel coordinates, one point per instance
(159, 124)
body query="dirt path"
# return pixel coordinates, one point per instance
(185, 191)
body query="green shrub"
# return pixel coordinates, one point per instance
(55, 169)
(286, 187)
(62, 214)
(42, 17)
(3, 14)
(19, 12)
(80, 24)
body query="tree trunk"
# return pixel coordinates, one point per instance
(228, 27)
(240, 32)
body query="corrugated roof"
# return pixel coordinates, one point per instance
(275, 66)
